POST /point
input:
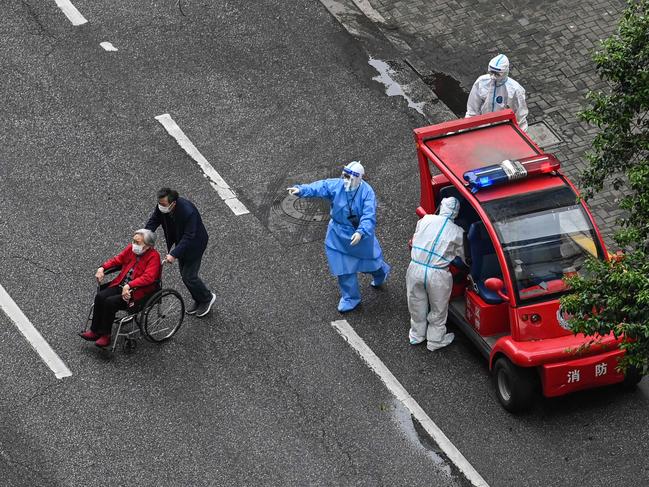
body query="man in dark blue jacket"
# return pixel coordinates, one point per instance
(185, 232)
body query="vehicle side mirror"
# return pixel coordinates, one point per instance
(496, 285)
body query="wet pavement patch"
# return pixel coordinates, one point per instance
(449, 91)
(386, 77)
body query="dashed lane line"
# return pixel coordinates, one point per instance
(107, 46)
(216, 181)
(71, 12)
(395, 387)
(33, 336)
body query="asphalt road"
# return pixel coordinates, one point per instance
(263, 391)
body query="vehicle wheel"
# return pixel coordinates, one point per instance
(515, 386)
(162, 315)
(631, 377)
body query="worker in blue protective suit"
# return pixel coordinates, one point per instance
(350, 244)
(496, 91)
(437, 241)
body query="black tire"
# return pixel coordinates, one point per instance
(162, 315)
(631, 377)
(516, 387)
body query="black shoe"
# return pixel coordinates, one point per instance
(205, 308)
(193, 308)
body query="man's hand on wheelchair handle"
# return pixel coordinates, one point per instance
(170, 258)
(99, 275)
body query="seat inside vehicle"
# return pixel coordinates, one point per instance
(484, 262)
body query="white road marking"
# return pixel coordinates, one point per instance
(214, 177)
(107, 46)
(71, 12)
(369, 11)
(32, 335)
(395, 387)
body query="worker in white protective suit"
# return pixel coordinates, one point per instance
(496, 91)
(437, 241)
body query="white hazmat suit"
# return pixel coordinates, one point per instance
(437, 241)
(495, 91)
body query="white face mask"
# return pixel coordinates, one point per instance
(347, 182)
(137, 249)
(351, 183)
(497, 77)
(164, 209)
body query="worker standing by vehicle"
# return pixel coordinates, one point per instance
(496, 91)
(350, 244)
(437, 241)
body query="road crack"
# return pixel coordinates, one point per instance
(37, 20)
(36, 264)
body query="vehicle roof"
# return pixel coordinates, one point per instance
(486, 145)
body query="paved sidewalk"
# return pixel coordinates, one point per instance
(549, 44)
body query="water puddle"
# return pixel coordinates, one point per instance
(449, 91)
(418, 436)
(392, 88)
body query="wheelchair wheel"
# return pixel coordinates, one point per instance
(162, 315)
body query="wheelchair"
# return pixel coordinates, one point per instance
(156, 317)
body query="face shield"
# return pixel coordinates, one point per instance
(352, 175)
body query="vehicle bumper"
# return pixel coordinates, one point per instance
(573, 375)
(553, 350)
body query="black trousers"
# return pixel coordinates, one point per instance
(196, 287)
(107, 302)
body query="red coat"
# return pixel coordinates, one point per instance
(146, 272)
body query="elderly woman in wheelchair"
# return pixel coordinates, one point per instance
(139, 277)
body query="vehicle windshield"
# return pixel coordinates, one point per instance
(545, 236)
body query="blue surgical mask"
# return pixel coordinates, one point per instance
(137, 249)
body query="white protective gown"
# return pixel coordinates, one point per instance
(437, 241)
(487, 97)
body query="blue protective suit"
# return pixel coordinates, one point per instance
(344, 259)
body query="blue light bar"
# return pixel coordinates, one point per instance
(510, 171)
(485, 176)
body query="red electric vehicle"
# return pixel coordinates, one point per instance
(525, 230)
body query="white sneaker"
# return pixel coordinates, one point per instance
(205, 308)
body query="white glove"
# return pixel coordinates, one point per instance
(293, 191)
(356, 238)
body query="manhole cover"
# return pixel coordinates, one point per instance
(304, 210)
(291, 220)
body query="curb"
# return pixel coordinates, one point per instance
(381, 43)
